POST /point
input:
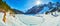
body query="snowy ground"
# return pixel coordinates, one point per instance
(27, 20)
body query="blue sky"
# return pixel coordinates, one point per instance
(24, 5)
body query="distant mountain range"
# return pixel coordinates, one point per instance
(52, 8)
(35, 9)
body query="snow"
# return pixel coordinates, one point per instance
(27, 20)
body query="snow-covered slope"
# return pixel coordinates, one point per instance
(27, 20)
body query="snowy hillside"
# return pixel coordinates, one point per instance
(27, 20)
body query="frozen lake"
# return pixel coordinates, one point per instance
(27, 20)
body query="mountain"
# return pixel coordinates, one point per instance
(35, 9)
(55, 8)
